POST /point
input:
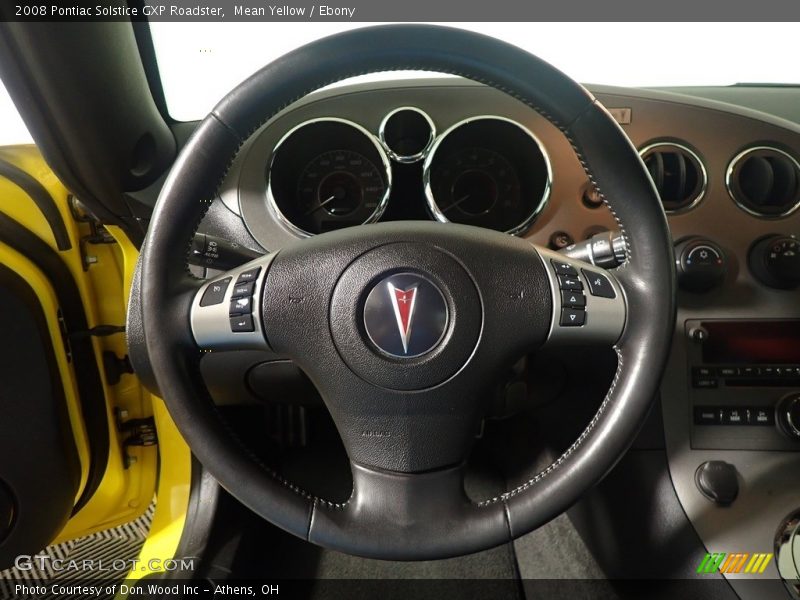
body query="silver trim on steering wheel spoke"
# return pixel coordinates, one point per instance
(212, 325)
(603, 318)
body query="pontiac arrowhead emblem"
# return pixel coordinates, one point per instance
(405, 315)
(403, 302)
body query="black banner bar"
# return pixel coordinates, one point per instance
(402, 10)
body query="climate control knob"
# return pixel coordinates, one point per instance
(775, 261)
(700, 264)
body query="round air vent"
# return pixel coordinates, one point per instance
(678, 173)
(764, 181)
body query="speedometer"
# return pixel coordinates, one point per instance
(489, 172)
(479, 184)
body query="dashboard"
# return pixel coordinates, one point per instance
(449, 150)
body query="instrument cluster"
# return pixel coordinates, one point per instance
(329, 173)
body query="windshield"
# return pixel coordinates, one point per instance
(200, 62)
(13, 130)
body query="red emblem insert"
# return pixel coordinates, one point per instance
(403, 302)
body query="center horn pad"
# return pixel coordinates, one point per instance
(405, 316)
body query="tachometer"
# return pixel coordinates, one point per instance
(337, 188)
(327, 174)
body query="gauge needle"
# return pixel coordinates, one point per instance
(321, 205)
(456, 203)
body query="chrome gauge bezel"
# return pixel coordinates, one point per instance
(412, 158)
(433, 207)
(272, 204)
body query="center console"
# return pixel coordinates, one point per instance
(745, 384)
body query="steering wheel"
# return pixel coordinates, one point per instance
(403, 326)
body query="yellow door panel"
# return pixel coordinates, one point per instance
(102, 275)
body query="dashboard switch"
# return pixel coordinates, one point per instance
(566, 282)
(563, 268)
(215, 292)
(241, 306)
(705, 383)
(700, 264)
(242, 290)
(242, 324)
(763, 416)
(735, 416)
(706, 415)
(248, 276)
(573, 300)
(599, 285)
(571, 317)
(775, 261)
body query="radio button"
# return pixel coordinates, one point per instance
(705, 383)
(763, 416)
(751, 371)
(703, 372)
(706, 415)
(734, 416)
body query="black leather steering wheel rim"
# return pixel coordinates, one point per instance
(647, 277)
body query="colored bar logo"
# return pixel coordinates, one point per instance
(735, 562)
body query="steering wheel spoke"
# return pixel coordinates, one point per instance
(226, 312)
(427, 511)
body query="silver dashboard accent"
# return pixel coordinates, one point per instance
(211, 324)
(413, 157)
(433, 207)
(787, 553)
(703, 172)
(605, 317)
(272, 205)
(729, 181)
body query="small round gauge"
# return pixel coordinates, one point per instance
(478, 184)
(327, 174)
(337, 188)
(489, 172)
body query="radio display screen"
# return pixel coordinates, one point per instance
(752, 342)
